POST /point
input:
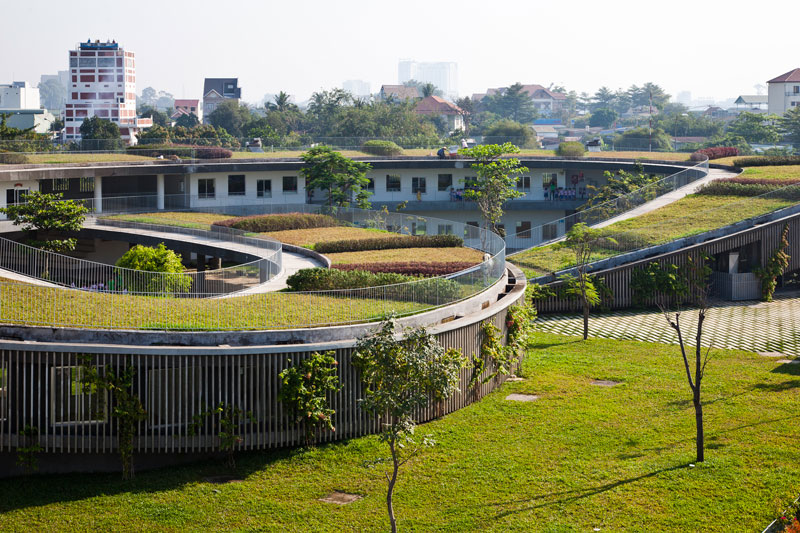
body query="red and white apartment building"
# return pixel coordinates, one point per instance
(102, 84)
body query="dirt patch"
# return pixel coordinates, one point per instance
(605, 383)
(522, 397)
(772, 354)
(341, 498)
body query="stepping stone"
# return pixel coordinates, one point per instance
(788, 361)
(341, 498)
(771, 354)
(522, 397)
(605, 383)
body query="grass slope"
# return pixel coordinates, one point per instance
(425, 255)
(581, 457)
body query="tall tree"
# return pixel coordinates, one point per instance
(466, 107)
(100, 134)
(187, 121)
(790, 125)
(159, 118)
(756, 128)
(344, 179)
(427, 89)
(232, 116)
(513, 103)
(42, 212)
(603, 117)
(603, 97)
(496, 180)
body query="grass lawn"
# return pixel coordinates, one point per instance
(425, 255)
(787, 172)
(185, 219)
(581, 457)
(57, 158)
(309, 237)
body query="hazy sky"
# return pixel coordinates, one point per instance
(710, 48)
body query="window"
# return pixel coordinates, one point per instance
(392, 183)
(524, 183)
(547, 177)
(445, 229)
(61, 184)
(87, 185)
(549, 231)
(797, 89)
(236, 185)
(418, 185)
(72, 400)
(419, 228)
(87, 62)
(105, 62)
(290, 185)
(264, 188)
(73, 62)
(524, 229)
(472, 223)
(445, 181)
(205, 188)
(371, 184)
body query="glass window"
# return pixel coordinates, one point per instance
(73, 62)
(524, 229)
(418, 185)
(290, 184)
(371, 184)
(87, 185)
(445, 181)
(524, 183)
(87, 62)
(72, 400)
(264, 188)
(236, 185)
(205, 188)
(419, 228)
(105, 62)
(392, 183)
(548, 177)
(61, 184)
(445, 229)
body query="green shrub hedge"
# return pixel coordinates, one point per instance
(432, 291)
(571, 149)
(278, 222)
(767, 161)
(401, 241)
(381, 148)
(788, 189)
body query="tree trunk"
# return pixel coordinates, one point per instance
(698, 415)
(392, 481)
(585, 319)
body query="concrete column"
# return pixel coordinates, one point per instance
(160, 192)
(215, 263)
(98, 194)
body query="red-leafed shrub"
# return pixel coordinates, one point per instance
(714, 153)
(767, 161)
(278, 222)
(413, 268)
(389, 243)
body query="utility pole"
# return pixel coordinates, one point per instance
(650, 124)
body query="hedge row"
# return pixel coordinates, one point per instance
(181, 150)
(396, 287)
(381, 148)
(767, 161)
(741, 187)
(414, 268)
(278, 222)
(570, 149)
(714, 153)
(400, 241)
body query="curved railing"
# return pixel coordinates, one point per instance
(84, 274)
(554, 230)
(36, 305)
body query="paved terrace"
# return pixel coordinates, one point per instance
(754, 326)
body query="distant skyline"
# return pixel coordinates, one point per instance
(707, 48)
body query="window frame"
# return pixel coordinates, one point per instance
(74, 383)
(203, 192)
(390, 178)
(290, 190)
(419, 185)
(261, 190)
(449, 183)
(237, 177)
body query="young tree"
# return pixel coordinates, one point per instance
(696, 274)
(496, 181)
(583, 241)
(153, 270)
(47, 213)
(100, 134)
(344, 179)
(401, 377)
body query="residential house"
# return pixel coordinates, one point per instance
(218, 90)
(398, 92)
(752, 102)
(436, 106)
(187, 107)
(784, 92)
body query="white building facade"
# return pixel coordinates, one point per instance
(20, 101)
(784, 92)
(444, 75)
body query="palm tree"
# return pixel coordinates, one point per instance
(427, 90)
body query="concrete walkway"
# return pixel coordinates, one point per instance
(754, 326)
(674, 196)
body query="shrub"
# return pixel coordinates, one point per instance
(714, 153)
(278, 222)
(181, 150)
(752, 187)
(570, 149)
(413, 268)
(432, 291)
(11, 158)
(157, 270)
(381, 148)
(765, 161)
(401, 241)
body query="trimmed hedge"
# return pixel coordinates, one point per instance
(278, 222)
(571, 149)
(767, 161)
(381, 148)
(714, 153)
(181, 150)
(750, 187)
(413, 268)
(400, 241)
(396, 287)
(11, 158)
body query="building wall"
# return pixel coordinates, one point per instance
(783, 97)
(19, 95)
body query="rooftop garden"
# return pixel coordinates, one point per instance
(581, 457)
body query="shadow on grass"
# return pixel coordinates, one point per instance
(688, 402)
(546, 345)
(40, 490)
(778, 387)
(793, 369)
(569, 496)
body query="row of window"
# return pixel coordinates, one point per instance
(445, 183)
(206, 187)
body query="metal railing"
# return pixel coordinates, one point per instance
(37, 305)
(556, 229)
(83, 274)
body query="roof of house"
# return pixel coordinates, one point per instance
(434, 105)
(400, 91)
(752, 99)
(186, 103)
(533, 90)
(218, 84)
(792, 75)
(544, 129)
